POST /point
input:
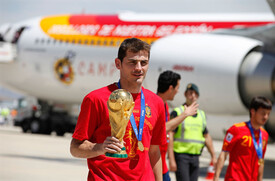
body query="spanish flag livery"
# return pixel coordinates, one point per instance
(73, 54)
(110, 30)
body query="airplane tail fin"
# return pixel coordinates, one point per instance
(7, 52)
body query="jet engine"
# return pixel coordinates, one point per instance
(229, 71)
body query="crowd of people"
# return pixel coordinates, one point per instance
(152, 133)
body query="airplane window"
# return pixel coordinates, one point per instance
(54, 41)
(86, 42)
(42, 41)
(67, 41)
(112, 42)
(118, 43)
(105, 42)
(79, 41)
(36, 40)
(92, 42)
(49, 41)
(73, 41)
(17, 34)
(98, 42)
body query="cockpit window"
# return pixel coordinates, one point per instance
(17, 34)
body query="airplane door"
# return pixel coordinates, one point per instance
(7, 52)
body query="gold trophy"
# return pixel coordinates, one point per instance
(120, 106)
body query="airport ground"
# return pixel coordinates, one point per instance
(25, 157)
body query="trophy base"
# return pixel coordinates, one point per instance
(121, 154)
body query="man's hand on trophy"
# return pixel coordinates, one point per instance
(111, 145)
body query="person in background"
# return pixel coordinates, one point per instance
(168, 85)
(189, 139)
(5, 112)
(245, 143)
(92, 136)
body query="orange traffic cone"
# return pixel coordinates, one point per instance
(210, 172)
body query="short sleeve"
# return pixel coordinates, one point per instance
(205, 131)
(159, 131)
(229, 139)
(84, 129)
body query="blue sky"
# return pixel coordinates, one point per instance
(12, 11)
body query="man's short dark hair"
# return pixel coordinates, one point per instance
(260, 102)
(132, 45)
(166, 79)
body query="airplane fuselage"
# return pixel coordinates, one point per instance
(62, 58)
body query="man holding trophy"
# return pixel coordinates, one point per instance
(121, 126)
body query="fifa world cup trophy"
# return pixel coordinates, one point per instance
(120, 106)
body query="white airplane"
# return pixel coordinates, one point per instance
(59, 59)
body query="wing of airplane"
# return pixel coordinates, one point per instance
(59, 59)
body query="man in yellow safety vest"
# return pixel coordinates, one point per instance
(189, 139)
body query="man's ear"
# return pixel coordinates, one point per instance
(252, 111)
(117, 63)
(171, 87)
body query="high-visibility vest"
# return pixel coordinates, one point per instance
(189, 137)
(5, 112)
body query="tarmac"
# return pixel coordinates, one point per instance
(27, 157)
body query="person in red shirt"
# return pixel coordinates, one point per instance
(168, 85)
(246, 145)
(92, 136)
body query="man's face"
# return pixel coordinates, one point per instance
(260, 116)
(191, 96)
(134, 66)
(174, 91)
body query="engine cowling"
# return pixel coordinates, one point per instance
(257, 77)
(229, 70)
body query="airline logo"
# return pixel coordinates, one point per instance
(64, 70)
(110, 30)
